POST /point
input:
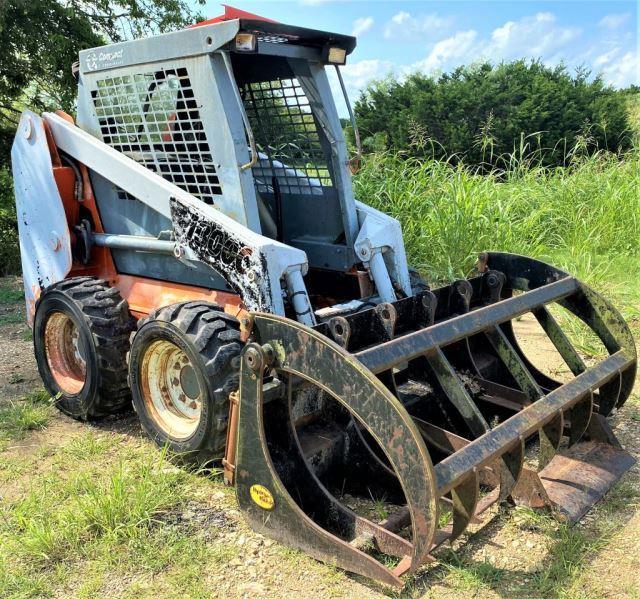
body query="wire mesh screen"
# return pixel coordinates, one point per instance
(153, 118)
(287, 137)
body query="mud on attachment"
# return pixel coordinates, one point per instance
(430, 404)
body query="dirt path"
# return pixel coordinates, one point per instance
(515, 553)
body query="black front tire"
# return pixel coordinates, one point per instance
(81, 338)
(199, 336)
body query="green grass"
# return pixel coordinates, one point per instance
(10, 294)
(470, 576)
(579, 217)
(12, 317)
(89, 445)
(100, 515)
(31, 413)
(109, 515)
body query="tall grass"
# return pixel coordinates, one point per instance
(577, 216)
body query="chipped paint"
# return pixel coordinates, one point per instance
(243, 267)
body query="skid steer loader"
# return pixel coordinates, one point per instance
(191, 243)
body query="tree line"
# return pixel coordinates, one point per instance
(480, 113)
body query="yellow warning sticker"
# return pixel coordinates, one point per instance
(262, 496)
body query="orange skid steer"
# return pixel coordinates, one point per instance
(191, 244)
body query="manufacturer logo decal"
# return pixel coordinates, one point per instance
(262, 497)
(92, 61)
(97, 60)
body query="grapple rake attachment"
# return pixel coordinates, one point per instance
(428, 403)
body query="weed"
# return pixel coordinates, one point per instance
(578, 216)
(16, 418)
(470, 576)
(11, 317)
(570, 550)
(10, 294)
(89, 446)
(379, 506)
(444, 517)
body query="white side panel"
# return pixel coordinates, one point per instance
(45, 244)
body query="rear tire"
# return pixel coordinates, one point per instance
(184, 363)
(81, 337)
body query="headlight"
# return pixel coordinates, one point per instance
(336, 55)
(246, 42)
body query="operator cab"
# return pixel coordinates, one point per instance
(302, 183)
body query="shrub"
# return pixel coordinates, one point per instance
(479, 113)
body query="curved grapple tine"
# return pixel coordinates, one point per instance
(265, 499)
(560, 341)
(608, 395)
(614, 333)
(580, 416)
(456, 393)
(550, 436)
(465, 498)
(512, 463)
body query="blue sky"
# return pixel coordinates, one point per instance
(399, 37)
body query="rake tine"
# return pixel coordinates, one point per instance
(608, 395)
(465, 499)
(513, 461)
(580, 415)
(456, 392)
(560, 340)
(610, 327)
(513, 363)
(550, 436)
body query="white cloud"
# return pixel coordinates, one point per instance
(534, 36)
(619, 68)
(404, 26)
(362, 25)
(356, 76)
(455, 49)
(605, 58)
(615, 20)
(537, 36)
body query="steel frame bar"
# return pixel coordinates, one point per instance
(454, 468)
(387, 355)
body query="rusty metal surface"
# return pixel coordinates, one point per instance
(304, 353)
(454, 468)
(442, 370)
(387, 355)
(577, 479)
(281, 517)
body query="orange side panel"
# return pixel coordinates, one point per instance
(66, 182)
(145, 295)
